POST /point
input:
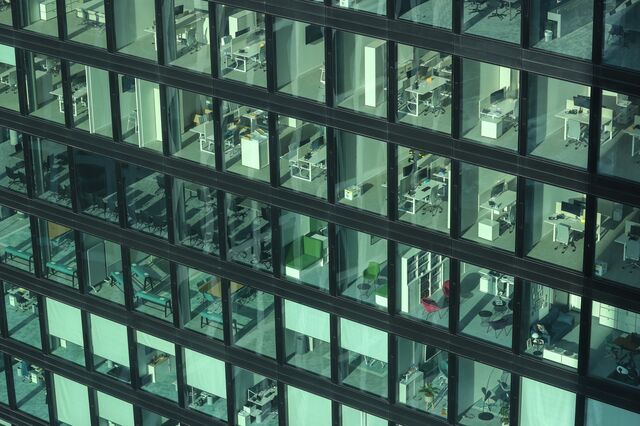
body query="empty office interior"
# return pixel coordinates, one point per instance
(324, 213)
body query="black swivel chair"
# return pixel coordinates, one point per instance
(616, 31)
(475, 4)
(495, 5)
(14, 176)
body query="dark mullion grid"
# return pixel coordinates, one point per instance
(44, 324)
(454, 295)
(87, 340)
(586, 307)
(16, 14)
(276, 241)
(392, 277)
(213, 36)
(10, 380)
(521, 188)
(336, 414)
(452, 389)
(456, 16)
(81, 279)
(183, 398)
(523, 107)
(73, 184)
(164, 119)
(455, 201)
(121, 195)
(134, 369)
(227, 316)
(38, 267)
(222, 223)
(4, 322)
(114, 98)
(65, 75)
(597, 45)
(334, 330)
(278, 307)
(29, 166)
(137, 415)
(126, 275)
(110, 25)
(270, 53)
(333, 258)
(61, 20)
(229, 383)
(518, 322)
(51, 396)
(588, 256)
(392, 368)
(456, 96)
(595, 130)
(525, 12)
(392, 181)
(514, 399)
(21, 70)
(93, 407)
(160, 35)
(282, 404)
(581, 410)
(175, 296)
(331, 163)
(392, 80)
(274, 147)
(329, 67)
(218, 133)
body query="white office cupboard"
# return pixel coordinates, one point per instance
(374, 72)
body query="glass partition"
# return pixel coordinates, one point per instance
(44, 87)
(40, 17)
(436, 13)
(498, 19)
(22, 314)
(17, 249)
(96, 185)
(187, 37)
(8, 73)
(200, 298)
(256, 397)
(140, 112)
(51, 171)
(253, 323)
(86, 22)
(560, 405)
(135, 28)
(90, 99)
(157, 366)
(249, 232)
(102, 266)
(145, 195)
(12, 165)
(306, 338)
(30, 388)
(58, 253)
(196, 216)
(151, 281)
(110, 348)
(599, 413)
(64, 325)
(206, 383)
(483, 394)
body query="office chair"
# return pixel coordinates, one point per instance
(575, 134)
(190, 41)
(564, 237)
(616, 31)
(132, 121)
(16, 177)
(160, 182)
(495, 5)
(475, 4)
(435, 104)
(508, 220)
(194, 235)
(63, 193)
(631, 255)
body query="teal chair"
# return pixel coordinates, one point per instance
(371, 273)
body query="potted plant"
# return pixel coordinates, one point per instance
(428, 391)
(485, 415)
(504, 414)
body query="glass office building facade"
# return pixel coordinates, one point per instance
(320, 212)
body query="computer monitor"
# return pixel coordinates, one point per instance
(178, 10)
(571, 208)
(635, 230)
(312, 33)
(581, 101)
(497, 190)
(407, 170)
(316, 143)
(128, 83)
(497, 96)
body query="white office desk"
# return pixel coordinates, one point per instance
(302, 168)
(423, 192)
(205, 132)
(183, 24)
(582, 118)
(92, 10)
(492, 121)
(634, 133)
(575, 224)
(78, 98)
(243, 53)
(423, 89)
(503, 202)
(254, 148)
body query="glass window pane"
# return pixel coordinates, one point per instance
(4, 393)
(483, 393)
(102, 266)
(618, 249)
(621, 26)
(372, 6)
(423, 380)
(302, 150)
(621, 136)
(71, 401)
(8, 76)
(51, 171)
(362, 172)
(190, 122)
(486, 304)
(614, 343)
(96, 186)
(599, 413)
(252, 319)
(249, 232)
(423, 285)
(558, 121)
(488, 204)
(362, 270)
(206, 383)
(91, 99)
(361, 73)
(187, 34)
(351, 416)
(86, 22)
(241, 35)
(429, 12)
(493, 19)
(110, 347)
(196, 216)
(425, 82)
(564, 27)
(64, 325)
(58, 251)
(200, 298)
(41, 19)
(551, 328)
(362, 361)
(30, 388)
(554, 224)
(300, 59)
(305, 248)
(149, 418)
(151, 285)
(5, 14)
(490, 104)
(12, 160)
(157, 366)
(246, 141)
(140, 112)
(17, 249)
(21, 308)
(301, 403)
(135, 28)
(423, 189)
(256, 396)
(560, 405)
(44, 87)
(306, 338)
(111, 409)
(146, 201)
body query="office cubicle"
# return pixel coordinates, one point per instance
(559, 404)
(17, 248)
(490, 104)
(362, 172)
(362, 267)
(145, 195)
(360, 73)
(363, 357)
(96, 185)
(8, 78)
(305, 248)
(51, 171)
(103, 273)
(58, 253)
(190, 125)
(44, 87)
(64, 328)
(86, 22)
(31, 390)
(618, 249)
(206, 380)
(195, 213)
(483, 393)
(302, 149)
(21, 314)
(6, 17)
(300, 59)
(306, 338)
(200, 301)
(112, 409)
(620, 146)
(255, 390)
(498, 19)
(40, 16)
(488, 208)
(558, 120)
(187, 37)
(425, 87)
(110, 348)
(421, 367)
(371, 6)
(245, 133)
(550, 324)
(242, 45)
(562, 26)
(622, 33)
(91, 99)
(253, 322)
(12, 165)
(157, 373)
(486, 304)
(135, 28)
(436, 13)
(422, 285)
(554, 224)
(424, 190)
(140, 112)
(151, 282)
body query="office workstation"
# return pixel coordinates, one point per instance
(622, 33)
(249, 232)
(43, 78)
(491, 104)
(484, 393)
(86, 22)
(12, 166)
(151, 283)
(196, 216)
(140, 112)
(8, 78)
(30, 388)
(157, 365)
(190, 122)
(257, 398)
(57, 249)
(187, 34)
(252, 319)
(21, 310)
(499, 19)
(430, 12)
(52, 179)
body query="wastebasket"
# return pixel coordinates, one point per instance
(548, 35)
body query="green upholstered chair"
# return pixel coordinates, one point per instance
(302, 253)
(372, 272)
